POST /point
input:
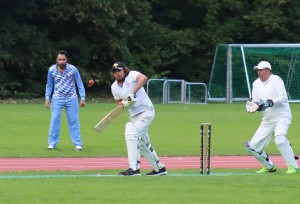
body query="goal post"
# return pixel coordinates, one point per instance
(176, 91)
(232, 72)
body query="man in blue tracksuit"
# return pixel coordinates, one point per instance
(61, 81)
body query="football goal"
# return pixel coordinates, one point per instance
(176, 91)
(232, 72)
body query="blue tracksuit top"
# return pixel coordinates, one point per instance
(64, 83)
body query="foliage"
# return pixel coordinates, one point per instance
(163, 39)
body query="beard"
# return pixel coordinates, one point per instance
(62, 65)
(120, 79)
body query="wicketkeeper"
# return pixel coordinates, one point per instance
(269, 96)
(128, 91)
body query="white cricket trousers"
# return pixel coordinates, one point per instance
(263, 134)
(142, 122)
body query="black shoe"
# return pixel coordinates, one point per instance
(130, 172)
(161, 172)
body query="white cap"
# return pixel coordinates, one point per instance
(263, 65)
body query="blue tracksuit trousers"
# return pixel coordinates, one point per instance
(72, 109)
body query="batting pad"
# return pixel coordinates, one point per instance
(286, 150)
(260, 157)
(151, 156)
(132, 144)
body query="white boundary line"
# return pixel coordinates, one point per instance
(114, 175)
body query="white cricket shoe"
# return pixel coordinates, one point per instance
(51, 147)
(78, 148)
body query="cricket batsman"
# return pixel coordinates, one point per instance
(129, 93)
(269, 96)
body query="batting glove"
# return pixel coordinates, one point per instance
(125, 104)
(266, 104)
(131, 97)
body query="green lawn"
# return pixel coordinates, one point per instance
(175, 131)
(184, 186)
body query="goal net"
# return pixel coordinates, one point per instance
(176, 91)
(232, 72)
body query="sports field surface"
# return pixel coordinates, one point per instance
(29, 173)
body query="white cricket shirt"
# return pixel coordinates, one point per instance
(143, 102)
(273, 89)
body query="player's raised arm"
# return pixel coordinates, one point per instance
(128, 91)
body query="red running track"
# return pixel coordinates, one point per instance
(81, 164)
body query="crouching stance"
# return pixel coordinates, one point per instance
(129, 93)
(270, 97)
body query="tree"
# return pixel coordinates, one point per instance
(170, 38)
(22, 52)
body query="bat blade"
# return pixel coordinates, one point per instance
(109, 118)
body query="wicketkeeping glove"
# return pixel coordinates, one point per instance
(251, 107)
(266, 104)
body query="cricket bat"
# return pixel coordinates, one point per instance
(109, 118)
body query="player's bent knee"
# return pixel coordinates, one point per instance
(149, 146)
(281, 140)
(142, 144)
(248, 148)
(252, 147)
(130, 131)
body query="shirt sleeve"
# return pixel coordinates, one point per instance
(133, 75)
(255, 98)
(49, 85)
(281, 92)
(114, 93)
(79, 83)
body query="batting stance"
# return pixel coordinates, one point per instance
(128, 91)
(269, 96)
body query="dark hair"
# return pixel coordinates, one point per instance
(126, 70)
(62, 52)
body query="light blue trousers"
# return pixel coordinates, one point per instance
(71, 106)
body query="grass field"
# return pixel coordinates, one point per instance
(175, 132)
(185, 186)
